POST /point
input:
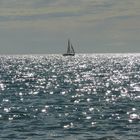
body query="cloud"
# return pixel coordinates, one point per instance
(84, 9)
(63, 14)
(103, 22)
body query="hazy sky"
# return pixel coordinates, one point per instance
(94, 26)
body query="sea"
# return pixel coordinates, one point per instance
(81, 97)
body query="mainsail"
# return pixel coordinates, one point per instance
(69, 47)
(70, 50)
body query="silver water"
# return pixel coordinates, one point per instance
(85, 97)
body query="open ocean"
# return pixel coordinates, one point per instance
(85, 97)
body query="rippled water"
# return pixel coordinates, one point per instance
(86, 97)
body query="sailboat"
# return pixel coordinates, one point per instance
(70, 50)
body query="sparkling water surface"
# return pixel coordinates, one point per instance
(85, 97)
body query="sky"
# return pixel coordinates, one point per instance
(93, 26)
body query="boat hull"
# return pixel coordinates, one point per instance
(68, 54)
